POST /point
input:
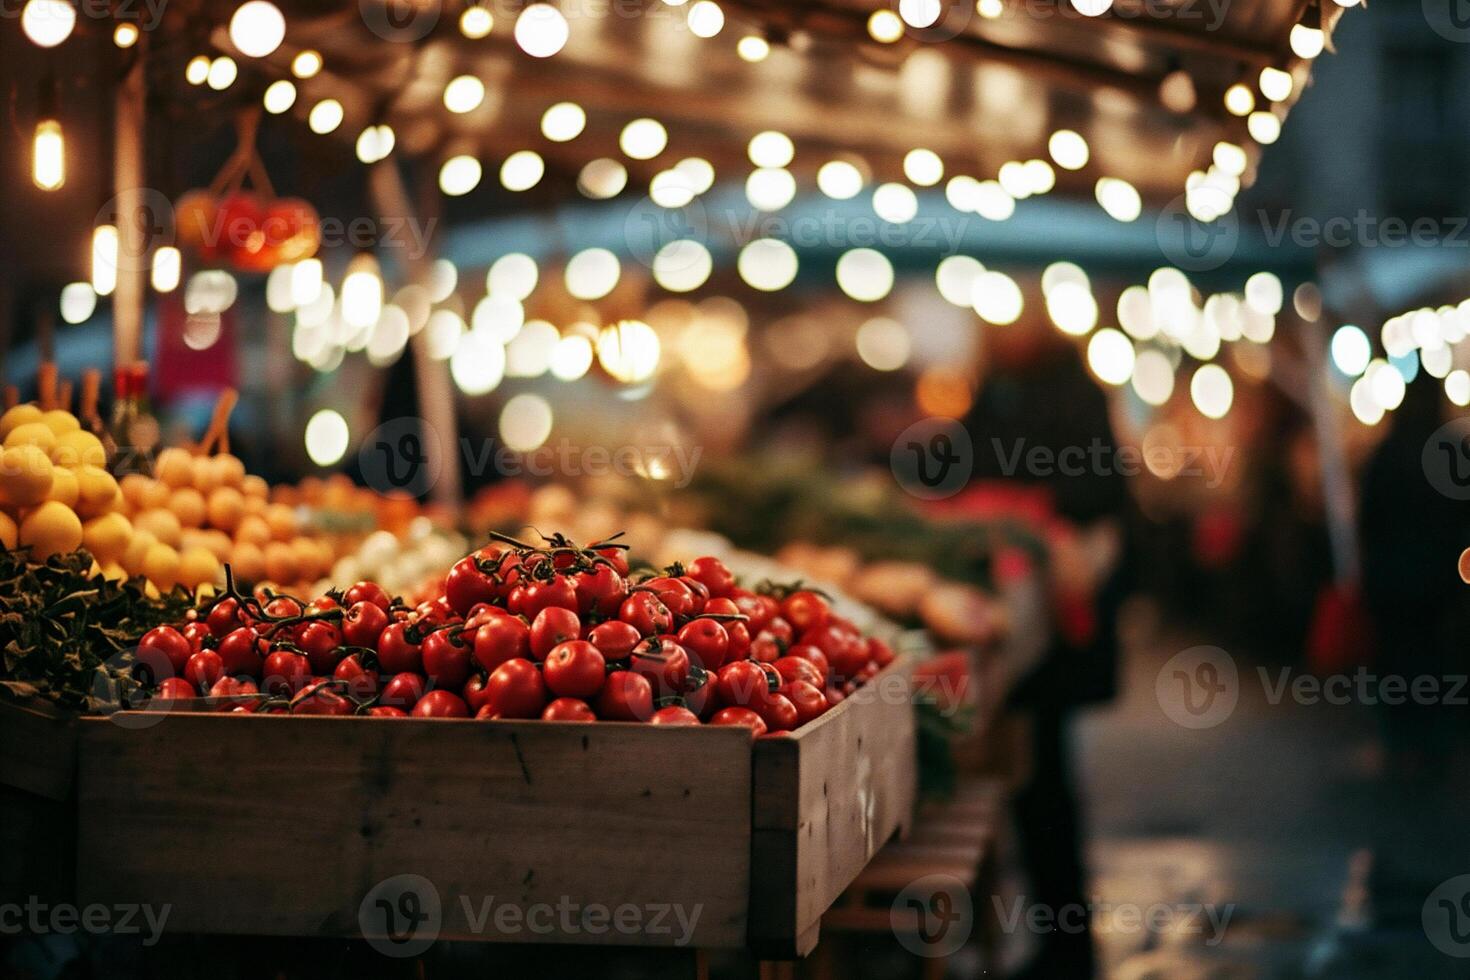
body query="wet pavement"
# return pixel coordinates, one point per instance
(1280, 842)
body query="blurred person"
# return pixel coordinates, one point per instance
(1037, 395)
(1412, 535)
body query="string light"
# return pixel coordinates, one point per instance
(459, 175)
(1276, 84)
(1264, 127)
(257, 28)
(48, 22)
(643, 139)
(522, 170)
(325, 117)
(167, 269)
(78, 302)
(464, 94)
(771, 149)
(541, 30)
(839, 180)
(706, 19)
(279, 96)
(752, 48)
(1239, 99)
(222, 73)
(476, 22)
(1068, 149)
(196, 72)
(885, 27)
(1119, 198)
(1307, 42)
(923, 167)
(306, 64)
(563, 122)
(104, 259)
(125, 35)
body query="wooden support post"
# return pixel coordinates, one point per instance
(431, 378)
(132, 223)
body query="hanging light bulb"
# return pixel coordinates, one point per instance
(257, 28)
(1307, 41)
(104, 259)
(167, 266)
(48, 22)
(48, 149)
(362, 292)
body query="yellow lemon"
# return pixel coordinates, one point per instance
(25, 475)
(60, 421)
(197, 566)
(254, 487)
(161, 565)
(78, 448)
(155, 494)
(64, 486)
(188, 506)
(248, 562)
(133, 485)
(162, 524)
(226, 508)
(51, 529)
(36, 434)
(138, 547)
(253, 529)
(96, 490)
(8, 531)
(228, 470)
(206, 476)
(281, 520)
(19, 415)
(174, 467)
(107, 537)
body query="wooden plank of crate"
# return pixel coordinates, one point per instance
(827, 798)
(224, 816)
(37, 749)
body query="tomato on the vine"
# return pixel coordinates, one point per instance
(778, 713)
(664, 662)
(552, 626)
(465, 586)
(322, 643)
(398, 651)
(175, 689)
(807, 699)
(284, 672)
(363, 624)
(198, 634)
(599, 590)
(745, 682)
(402, 690)
(575, 669)
(614, 639)
(715, 576)
(319, 699)
(163, 652)
(707, 642)
(646, 613)
(626, 696)
(568, 709)
(804, 610)
(515, 690)
(557, 592)
(385, 711)
(225, 617)
(367, 592)
(740, 716)
(674, 715)
(440, 704)
(676, 595)
(242, 651)
(502, 638)
(362, 681)
(794, 668)
(203, 669)
(446, 658)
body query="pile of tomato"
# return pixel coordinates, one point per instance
(556, 632)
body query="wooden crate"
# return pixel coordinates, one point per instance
(274, 826)
(827, 798)
(284, 826)
(37, 803)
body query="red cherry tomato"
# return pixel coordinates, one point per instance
(807, 699)
(615, 639)
(362, 682)
(364, 623)
(625, 696)
(233, 687)
(804, 610)
(744, 682)
(322, 643)
(675, 594)
(500, 639)
(815, 657)
(446, 659)
(402, 691)
(367, 592)
(440, 704)
(397, 652)
(163, 652)
(740, 716)
(568, 709)
(198, 634)
(203, 669)
(559, 592)
(715, 576)
(646, 613)
(793, 668)
(674, 714)
(846, 652)
(283, 607)
(707, 642)
(618, 557)
(879, 652)
(575, 669)
(319, 699)
(778, 713)
(664, 662)
(516, 690)
(600, 591)
(242, 652)
(225, 617)
(284, 672)
(552, 626)
(175, 689)
(385, 711)
(465, 586)
(833, 694)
